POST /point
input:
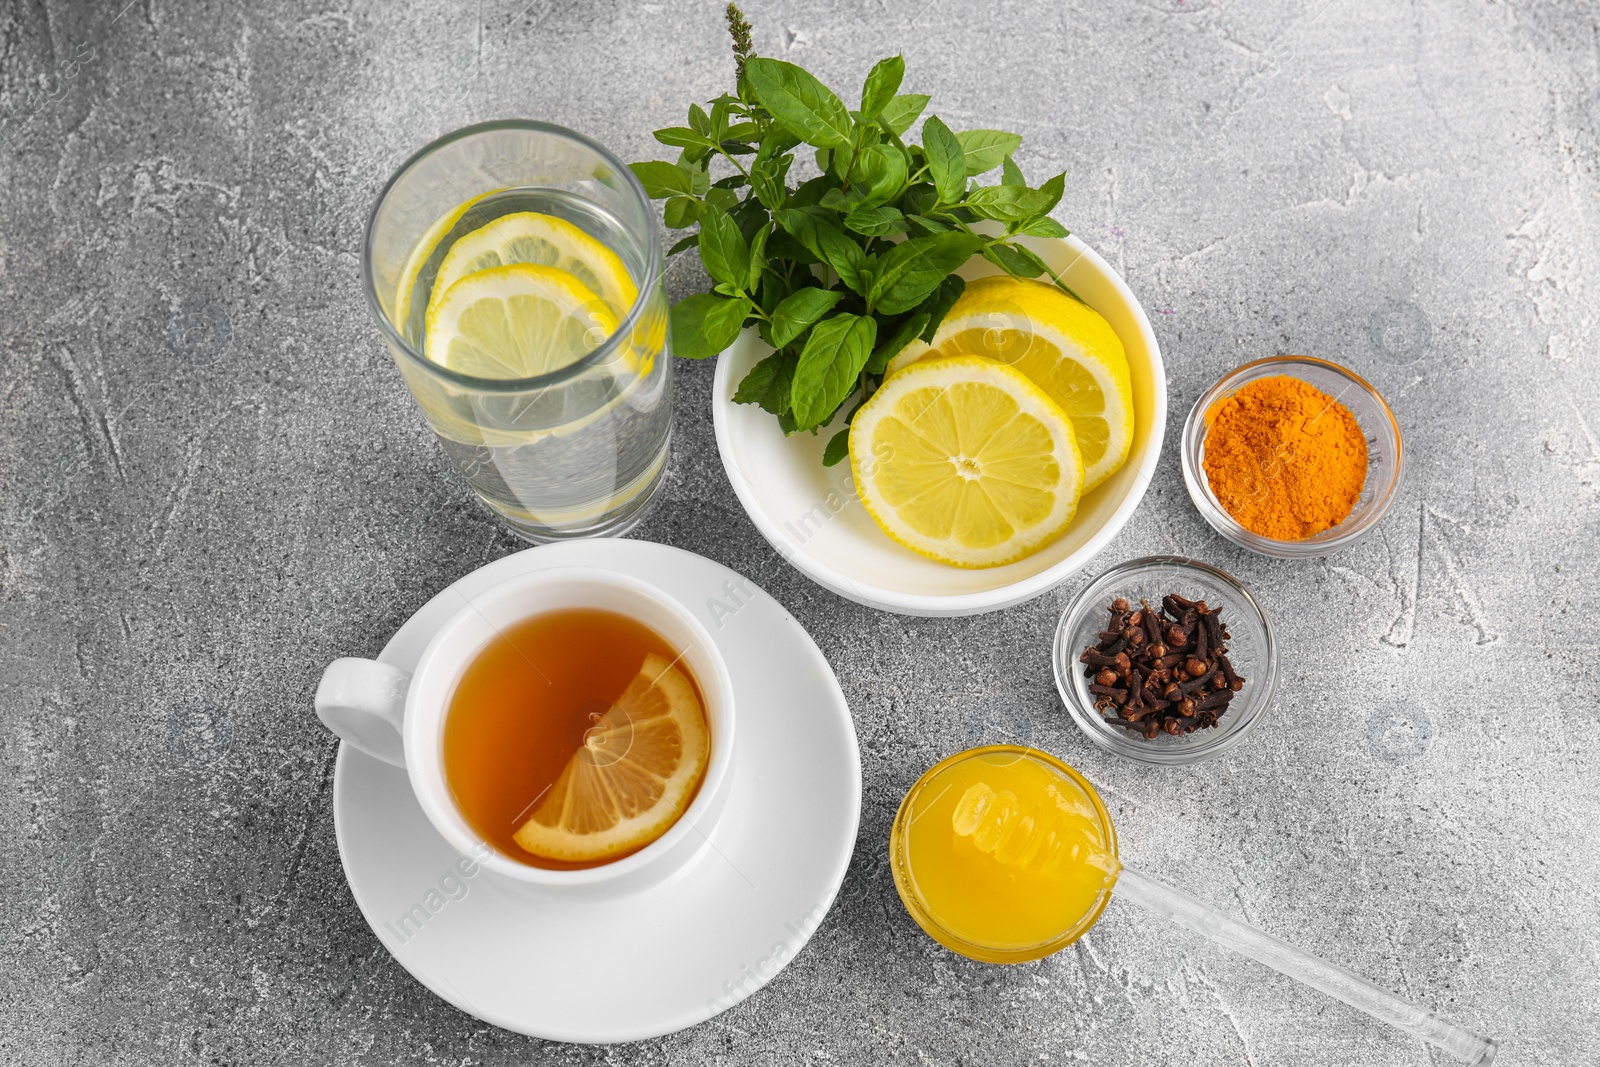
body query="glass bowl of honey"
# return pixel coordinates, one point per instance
(1003, 854)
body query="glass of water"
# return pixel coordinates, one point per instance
(514, 268)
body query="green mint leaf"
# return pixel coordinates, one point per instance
(920, 199)
(947, 160)
(775, 284)
(684, 137)
(777, 142)
(749, 216)
(732, 181)
(722, 247)
(767, 383)
(900, 113)
(800, 223)
(1010, 173)
(705, 324)
(1052, 191)
(838, 448)
(767, 177)
(810, 193)
(923, 224)
(724, 321)
(829, 366)
(875, 221)
(722, 199)
(779, 399)
(939, 304)
(814, 228)
(1008, 203)
(1045, 227)
(758, 256)
(986, 149)
(698, 119)
(684, 245)
(782, 245)
(882, 83)
(752, 387)
(841, 201)
(799, 310)
(806, 107)
(903, 335)
(662, 179)
(881, 170)
(845, 257)
(1014, 259)
(741, 131)
(681, 211)
(914, 268)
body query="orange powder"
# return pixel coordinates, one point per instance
(1285, 459)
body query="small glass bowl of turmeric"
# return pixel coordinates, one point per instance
(1292, 456)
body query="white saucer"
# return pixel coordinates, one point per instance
(810, 513)
(668, 957)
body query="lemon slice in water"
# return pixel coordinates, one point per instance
(635, 774)
(965, 460)
(516, 322)
(423, 251)
(544, 241)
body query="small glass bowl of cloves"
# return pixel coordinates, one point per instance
(1165, 660)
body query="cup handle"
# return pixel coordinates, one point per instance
(364, 702)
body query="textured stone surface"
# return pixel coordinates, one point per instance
(212, 481)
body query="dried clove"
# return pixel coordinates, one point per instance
(1163, 670)
(1235, 682)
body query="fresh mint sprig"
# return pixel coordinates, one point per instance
(841, 271)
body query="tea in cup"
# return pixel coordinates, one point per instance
(573, 725)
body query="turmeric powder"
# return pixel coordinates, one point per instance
(1285, 459)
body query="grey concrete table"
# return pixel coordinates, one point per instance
(212, 481)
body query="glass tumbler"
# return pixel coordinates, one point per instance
(578, 451)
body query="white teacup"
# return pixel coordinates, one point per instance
(399, 718)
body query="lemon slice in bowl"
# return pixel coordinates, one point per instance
(1063, 346)
(516, 322)
(635, 774)
(966, 461)
(544, 241)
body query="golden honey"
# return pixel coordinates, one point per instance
(1003, 854)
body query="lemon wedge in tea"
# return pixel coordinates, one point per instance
(634, 775)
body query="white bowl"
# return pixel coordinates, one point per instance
(812, 515)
